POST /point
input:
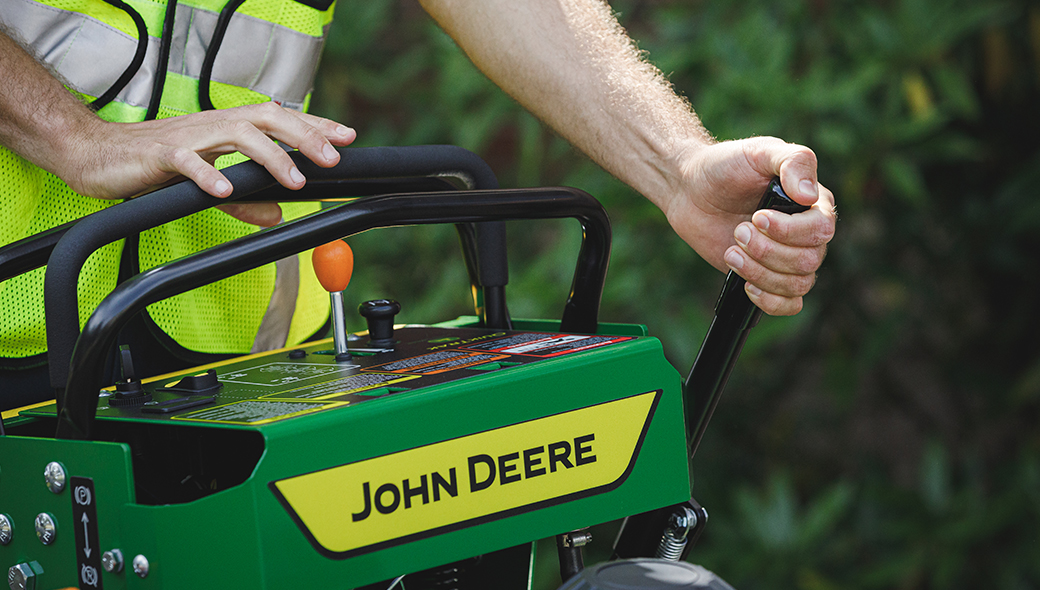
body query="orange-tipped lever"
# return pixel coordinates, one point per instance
(334, 263)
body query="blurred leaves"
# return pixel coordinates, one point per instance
(884, 438)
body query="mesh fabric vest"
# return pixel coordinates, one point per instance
(238, 53)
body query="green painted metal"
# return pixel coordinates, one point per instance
(243, 536)
(24, 495)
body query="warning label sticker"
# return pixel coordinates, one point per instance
(437, 362)
(255, 412)
(280, 374)
(546, 345)
(352, 384)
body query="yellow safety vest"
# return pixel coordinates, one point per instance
(242, 53)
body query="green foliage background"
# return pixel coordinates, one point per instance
(886, 437)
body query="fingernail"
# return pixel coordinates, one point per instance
(807, 188)
(734, 260)
(222, 186)
(329, 152)
(761, 220)
(742, 234)
(753, 290)
(296, 176)
(342, 130)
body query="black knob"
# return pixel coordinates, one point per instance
(379, 313)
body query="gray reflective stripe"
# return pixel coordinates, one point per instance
(274, 327)
(90, 55)
(85, 53)
(255, 54)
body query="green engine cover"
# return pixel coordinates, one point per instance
(300, 470)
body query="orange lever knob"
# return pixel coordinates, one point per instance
(333, 263)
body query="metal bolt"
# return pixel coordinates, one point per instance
(54, 475)
(141, 566)
(673, 541)
(46, 528)
(577, 539)
(6, 529)
(112, 561)
(21, 577)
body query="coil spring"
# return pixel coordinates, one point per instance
(673, 541)
(670, 547)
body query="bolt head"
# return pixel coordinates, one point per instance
(140, 565)
(6, 529)
(54, 475)
(112, 561)
(21, 577)
(46, 528)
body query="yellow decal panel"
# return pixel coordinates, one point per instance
(420, 492)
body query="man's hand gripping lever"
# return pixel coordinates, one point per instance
(735, 315)
(654, 533)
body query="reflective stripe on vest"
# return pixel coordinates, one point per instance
(89, 54)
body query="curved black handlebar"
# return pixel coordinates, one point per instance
(251, 182)
(269, 245)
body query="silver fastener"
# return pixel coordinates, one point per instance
(673, 541)
(577, 539)
(112, 561)
(141, 566)
(6, 529)
(46, 528)
(21, 577)
(54, 475)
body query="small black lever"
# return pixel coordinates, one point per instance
(128, 389)
(379, 313)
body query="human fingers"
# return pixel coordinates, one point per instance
(795, 164)
(306, 133)
(772, 304)
(777, 256)
(188, 163)
(770, 280)
(250, 129)
(262, 214)
(337, 133)
(780, 253)
(808, 229)
(242, 135)
(218, 137)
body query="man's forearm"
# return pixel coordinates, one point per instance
(39, 119)
(569, 62)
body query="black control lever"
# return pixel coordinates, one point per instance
(735, 315)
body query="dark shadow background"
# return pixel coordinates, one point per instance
(887, 436)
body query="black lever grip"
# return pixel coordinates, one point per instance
(735, 315)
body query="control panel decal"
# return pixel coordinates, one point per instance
(280, 374)
(254, 412)
(437, 488)
(353, 384)
(438, 362)
(546, 345)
